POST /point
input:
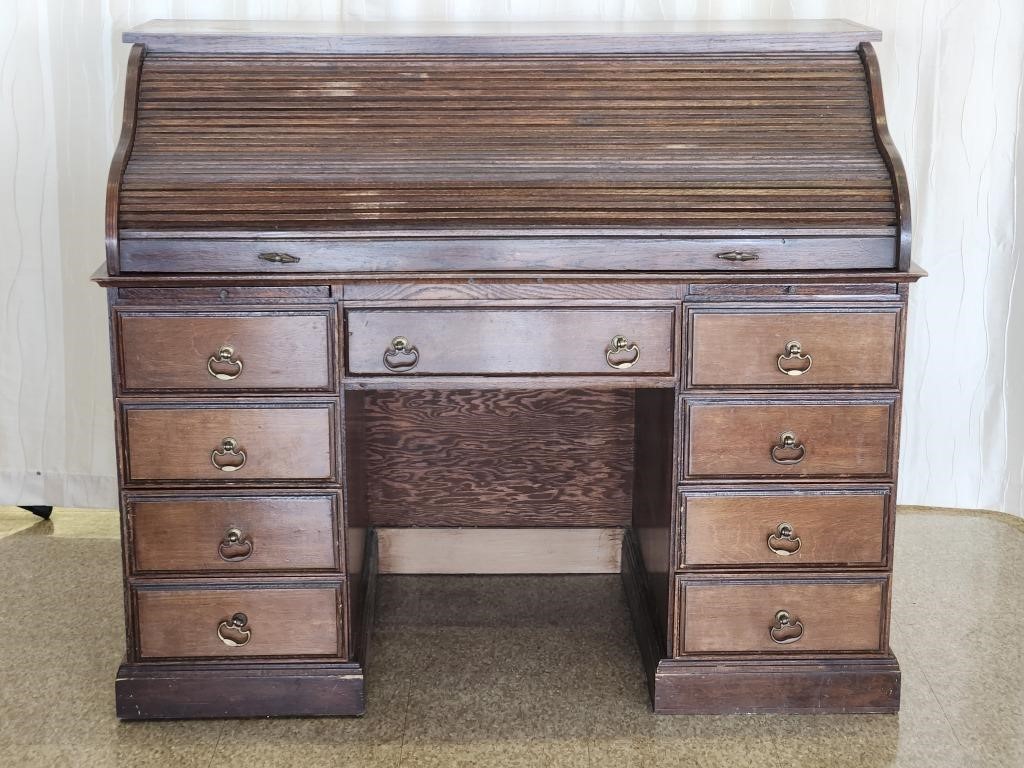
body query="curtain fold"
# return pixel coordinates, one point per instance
(953, 74)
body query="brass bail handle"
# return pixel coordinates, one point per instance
(793, 362)
(788, 444)
(397, 355)
(785, 629)
(228, 447)
(225, 358)
(619, 345)
(235, 546)
(237, 626)
(784, 541)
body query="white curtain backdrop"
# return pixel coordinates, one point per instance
(953, 75)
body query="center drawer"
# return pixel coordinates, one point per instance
(599, 341)
(195, 442)
(268, 620)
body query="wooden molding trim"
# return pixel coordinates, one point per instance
(499, 550)
(121, 155)
(887, 147)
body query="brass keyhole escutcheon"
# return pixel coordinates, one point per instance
(235, 546)
(793, 362)
(234, 632)
(229, 457)
(784, 541)
(401, 356)
(225, 358)
(618, 346)
(788, 450)
(785, 628)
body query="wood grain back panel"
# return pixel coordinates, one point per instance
(737, 616)
(743, 529)
(497, 458)
(773, 142)
(184, 623)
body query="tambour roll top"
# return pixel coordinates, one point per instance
(593, 154)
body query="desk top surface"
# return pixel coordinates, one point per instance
(501, 38)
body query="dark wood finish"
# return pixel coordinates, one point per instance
(735, 191)
(265, 689)
(736, 347)
(834, 527)
(726, 687)
(500, 38)
(279, 533)
(840, 438)
(272, 350)
(736, 615)
(286, 441)
(504, 458)
(285, 620)
(123, 151)
(890, 154)
(456, 342)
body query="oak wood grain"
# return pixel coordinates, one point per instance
(828, 528)
(839, 438)
(183, 623)
(277, 350)
(278, 533)
(737, 347)
(280, 442)
(733, 617)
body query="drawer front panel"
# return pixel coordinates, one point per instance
(744, 616)
(512, 342)
(234, 533)
(784, 529)
(191, 443)
(797, 439)
(226, 350)
(750, 348)
(230, 623)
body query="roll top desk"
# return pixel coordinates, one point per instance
(647, 279)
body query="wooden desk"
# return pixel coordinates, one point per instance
(516, 299)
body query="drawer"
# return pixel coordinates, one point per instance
(176, 622)
(511, 341)
(234, 533)
(784, 528)
(772, 347)
(236, 444)
(781, 616)
(801, 439)
(226, 350)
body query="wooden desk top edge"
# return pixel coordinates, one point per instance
(308, 37)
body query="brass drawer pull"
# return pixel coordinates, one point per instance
(618, 345)
(787, 442)
(785, 629)
(784, 540)
(235, 626)
(279, 258)
(737, 256)
(228, 447)
(400, 347)
(224, 357)
(237, 543)
(795, 352)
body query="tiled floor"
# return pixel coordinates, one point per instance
(482, 671)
